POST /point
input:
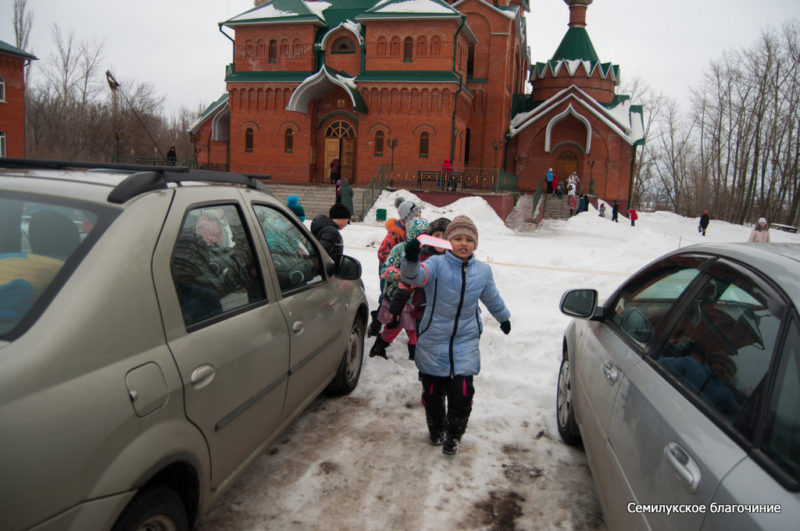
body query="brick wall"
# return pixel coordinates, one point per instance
(12, 111)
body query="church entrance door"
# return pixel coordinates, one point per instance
(340, 143)
(566, 164)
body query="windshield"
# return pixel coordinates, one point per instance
(40, 242)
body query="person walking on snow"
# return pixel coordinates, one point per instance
(703, 224)
(760, 232)
(395, 233)
(293, 202)
(448, 353)
(633, 216)
(615, 212)
(394, 313)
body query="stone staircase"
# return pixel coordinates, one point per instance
(315, 198)
(555, 208)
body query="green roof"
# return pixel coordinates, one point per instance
(576, 44)
(419, 76)
(259, 76)
(13, 50)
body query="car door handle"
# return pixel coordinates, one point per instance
(610, 372)
(684, 465)
(202, 376)
(297, 327)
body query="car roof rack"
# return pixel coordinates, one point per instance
(146, 178)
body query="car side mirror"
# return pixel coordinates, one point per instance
(349, 268)
(579, 303)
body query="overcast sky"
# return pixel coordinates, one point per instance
(176, 46)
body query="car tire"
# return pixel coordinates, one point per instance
(565, 415)
(157, 508)
(349, 370)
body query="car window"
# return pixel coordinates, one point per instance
(296, 260)
(645, 301)
(722, 346)
(782, 437)
(37, 240)
(213, 264)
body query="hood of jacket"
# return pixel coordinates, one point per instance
(320, 222)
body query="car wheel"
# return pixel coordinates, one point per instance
(154, 509)
(350, 367)
(565, 415)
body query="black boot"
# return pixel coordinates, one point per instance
(375, 325)
(379, 348)
(412, 351)
(435, 417)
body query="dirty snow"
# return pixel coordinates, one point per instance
(364, 462)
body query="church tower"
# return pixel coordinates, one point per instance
(575, 120)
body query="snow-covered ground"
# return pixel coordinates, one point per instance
(364, 461)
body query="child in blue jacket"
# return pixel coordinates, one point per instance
(447, 353)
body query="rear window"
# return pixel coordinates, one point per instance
(41, 242)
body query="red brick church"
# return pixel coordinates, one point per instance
(413, 82)
(576, 121)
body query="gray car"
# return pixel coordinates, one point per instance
(158, 329)
(684, 389)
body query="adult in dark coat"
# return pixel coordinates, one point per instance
(326, 230)
(346, 196)
(172, 156)
(615, 211)
(703, 225)
(336, 170)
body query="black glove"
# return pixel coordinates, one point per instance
(396, 308)
(412, 250)
(505, 326)
(395, 322)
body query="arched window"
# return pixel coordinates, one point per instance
(408, 49)
(288, 141)
(248, 139)
(261, 49)
(297, 48)
(284, 48)
(273, 51)
(436, 46)
(423, 145)
(343, 45)
(471, 60)
(395, 48)
(248, 49)
(381, 46)
(422, 47)
(2, 89)
(379, 143)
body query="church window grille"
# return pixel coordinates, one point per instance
(273, 51)
(408, 49)
(288, 141)
(379, 143)
(343, 45)
(248, 139)
(423, 145)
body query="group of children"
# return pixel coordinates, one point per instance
(433, 293)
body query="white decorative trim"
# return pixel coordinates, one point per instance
(349, 25)
(304, 92)
(557, 118)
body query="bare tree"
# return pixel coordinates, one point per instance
(23, 21)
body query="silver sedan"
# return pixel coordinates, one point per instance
(684, 389)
